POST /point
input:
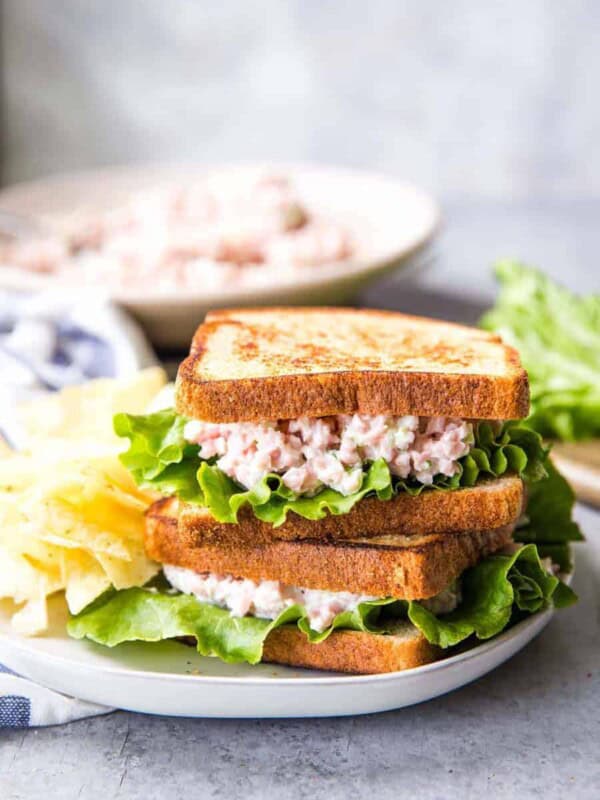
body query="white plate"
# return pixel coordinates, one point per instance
(390, 219)
(171, 678)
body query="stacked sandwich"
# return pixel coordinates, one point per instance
(341, 489)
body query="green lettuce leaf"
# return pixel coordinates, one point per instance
(548, 522)
(271, 500)
(159, 458)
(558, 337)
(549, 511)
(142, 614)
(559, 554)
(495, 591)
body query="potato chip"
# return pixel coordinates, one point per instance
(85, 580)
(87, 411)
(5, 449)
(32, 618)
(71, 517)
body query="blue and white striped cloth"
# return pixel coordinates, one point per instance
(51, 340)
(48, 341)
(24, 704)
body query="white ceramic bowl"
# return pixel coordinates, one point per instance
(390, 220)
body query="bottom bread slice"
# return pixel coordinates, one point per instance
(354, 652)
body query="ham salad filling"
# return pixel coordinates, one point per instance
(313, 453)
(267, 599)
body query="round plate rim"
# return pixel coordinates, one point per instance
(537, 620)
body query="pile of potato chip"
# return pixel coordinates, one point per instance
(71, 517)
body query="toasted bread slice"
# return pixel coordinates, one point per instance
(283, 363)
(392, 565)
(351, 651)
(355, 652)
(491, 504)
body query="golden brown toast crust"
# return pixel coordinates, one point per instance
(489, 505)
(351, 651)
(354, 652)
(262, 364)
(406, 567)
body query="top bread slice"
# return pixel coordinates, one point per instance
(284, 363)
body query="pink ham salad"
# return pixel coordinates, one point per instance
(266, 599)
(197, 235)
(313, 453)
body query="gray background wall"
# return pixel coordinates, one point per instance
(492, 105)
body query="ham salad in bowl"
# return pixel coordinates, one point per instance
(170, 243)
(203, 233)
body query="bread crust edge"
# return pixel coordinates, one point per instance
(490, 504)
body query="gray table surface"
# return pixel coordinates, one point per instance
(529, 729)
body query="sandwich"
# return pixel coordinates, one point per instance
(340, 489)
